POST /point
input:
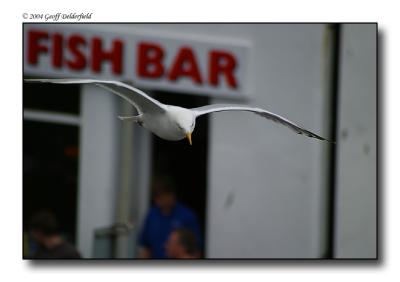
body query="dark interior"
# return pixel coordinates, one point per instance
(51, 156)
(186, 164)
(50, 168)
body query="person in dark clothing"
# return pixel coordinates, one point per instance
(166, 215)
(44, 231)
(182, 244)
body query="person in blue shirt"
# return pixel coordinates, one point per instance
(166, 215)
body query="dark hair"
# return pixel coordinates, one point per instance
(162, 185)
(45, 223)
(187, 240)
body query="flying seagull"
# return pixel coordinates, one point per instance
(167, 121)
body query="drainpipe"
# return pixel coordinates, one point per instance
(124, 194)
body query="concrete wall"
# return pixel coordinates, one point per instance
(357, 156)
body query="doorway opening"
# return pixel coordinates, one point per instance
(50, 166)
(50, 156)
(185, 164)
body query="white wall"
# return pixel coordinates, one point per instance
(98, 168)
(357, 159)
(114, 170)
(271, 177)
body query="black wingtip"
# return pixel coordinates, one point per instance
(312, 135)
(326, 140)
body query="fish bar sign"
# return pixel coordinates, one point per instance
(170, 63)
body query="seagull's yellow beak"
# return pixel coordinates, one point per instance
(189, 137)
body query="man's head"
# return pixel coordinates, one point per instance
(43, 225)
(182, 243)
(164, 194)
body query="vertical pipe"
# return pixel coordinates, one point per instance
(124, 196)
(134, 175)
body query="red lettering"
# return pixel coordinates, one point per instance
(57, 58)
(149, 63)
(185, 65)
(114, 55)
(222, 63)
(83, 51)
(79, 61)
(34, 48)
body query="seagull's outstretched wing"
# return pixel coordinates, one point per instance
(140, 100)
(222, 107)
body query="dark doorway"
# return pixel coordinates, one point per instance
(50, 170)
(185, 164)
(50, 157)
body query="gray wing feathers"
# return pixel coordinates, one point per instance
(261, 112)
(140, 100)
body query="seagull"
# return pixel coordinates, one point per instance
(167, 121)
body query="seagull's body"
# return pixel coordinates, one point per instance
(166, 125)
(167, 121)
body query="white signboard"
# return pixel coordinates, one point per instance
(206, 67)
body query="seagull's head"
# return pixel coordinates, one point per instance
(185, 121)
